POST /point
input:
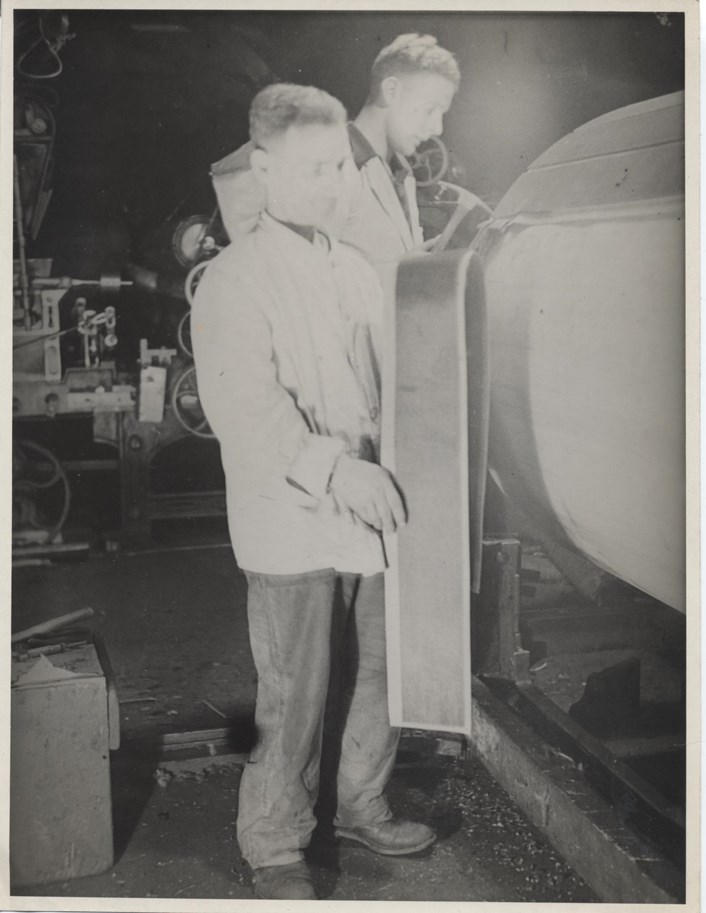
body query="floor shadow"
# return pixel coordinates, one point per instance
(324, 859)
(132, 780)
(134, 765)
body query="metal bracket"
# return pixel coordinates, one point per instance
(496, 645)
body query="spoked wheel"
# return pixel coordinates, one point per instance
(430, 162)
(192, 280)
(35, 473)
(184, 335)
(187, 406)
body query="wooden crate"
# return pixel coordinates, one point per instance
(62, 731)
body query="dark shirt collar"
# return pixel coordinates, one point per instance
(360, 146)
(363, 152)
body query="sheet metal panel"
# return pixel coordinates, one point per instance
(435, 441)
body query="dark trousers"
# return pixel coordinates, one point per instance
(306, 632)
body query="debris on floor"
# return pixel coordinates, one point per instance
(176, 633)
(179, 841)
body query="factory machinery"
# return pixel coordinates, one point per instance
(140, 411)
(582, 544)
(65, 365)
(584, 277)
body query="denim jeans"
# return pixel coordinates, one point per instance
(318, 640)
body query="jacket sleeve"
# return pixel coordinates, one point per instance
(264, 437)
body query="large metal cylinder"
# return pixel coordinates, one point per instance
(584, 265)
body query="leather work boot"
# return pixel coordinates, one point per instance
(284, 882)
(391, 838)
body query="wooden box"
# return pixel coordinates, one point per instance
(64, 721)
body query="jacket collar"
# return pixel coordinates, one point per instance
(363, 152)
(360, 146)
(307, 233)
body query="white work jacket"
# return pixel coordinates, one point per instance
(286, 337)
(377, 224)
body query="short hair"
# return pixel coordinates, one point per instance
(283, 105)
(413, 53)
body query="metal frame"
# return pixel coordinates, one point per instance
(503, 666)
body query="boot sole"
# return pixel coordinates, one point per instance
(383, 850)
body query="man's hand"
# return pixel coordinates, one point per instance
(369, 491)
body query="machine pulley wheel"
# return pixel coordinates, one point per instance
(430, 162)
(187, 406)
(191, 238)
(36, 469)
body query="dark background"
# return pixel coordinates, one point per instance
(148, 99)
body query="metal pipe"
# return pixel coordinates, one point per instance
(47, 627)
(19, 219)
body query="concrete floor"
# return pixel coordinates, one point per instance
(177, 840)
(174, 625)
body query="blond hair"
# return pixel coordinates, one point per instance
(413, 53)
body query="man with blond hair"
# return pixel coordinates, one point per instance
(286, 333)
(412, 84)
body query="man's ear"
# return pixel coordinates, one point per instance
(389, 90)
(259, 162)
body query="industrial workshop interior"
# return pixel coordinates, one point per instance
(533, 402)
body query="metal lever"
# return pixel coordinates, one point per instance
(465, 202)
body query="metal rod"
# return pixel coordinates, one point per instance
(44, 337)
(214, 708)
(58, 548)
(46, 627)
(19, 218)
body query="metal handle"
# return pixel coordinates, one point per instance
(54, 624)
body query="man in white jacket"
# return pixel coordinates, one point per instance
(286, 333)
(412, 84)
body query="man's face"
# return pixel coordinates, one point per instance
(302, 171)
(416, 104)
